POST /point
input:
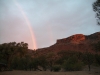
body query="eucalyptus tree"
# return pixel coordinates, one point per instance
(96, 8)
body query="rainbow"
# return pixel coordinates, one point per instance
(51, 34)
(28, 24)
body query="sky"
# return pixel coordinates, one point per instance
(41, 22)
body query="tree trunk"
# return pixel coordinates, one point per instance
(89, 67)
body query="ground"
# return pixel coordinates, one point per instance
(94, 71)
(48, 73)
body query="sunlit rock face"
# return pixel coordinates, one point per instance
(77, 42)
(77, 38)
(72, 39)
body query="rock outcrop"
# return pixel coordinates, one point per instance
(78, 42)
(72, 39)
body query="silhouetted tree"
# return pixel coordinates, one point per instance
(51, 60)
(96, 8)
(43, 62)
(35, 63)
(72, 64)
(97, 47)
(88, 59)
(9, 50)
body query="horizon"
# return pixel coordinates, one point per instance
(52, 44)
(41, 23)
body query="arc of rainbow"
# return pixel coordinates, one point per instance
(51, 34)
(28, 24)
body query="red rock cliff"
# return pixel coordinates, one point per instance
(72, 39)
(78, 42)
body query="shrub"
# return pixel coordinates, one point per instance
(56, 68)
(72, 64)
(78, 66)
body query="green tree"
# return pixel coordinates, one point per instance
(72, 64)
(10, 50)
(43, 62)
(51, 60)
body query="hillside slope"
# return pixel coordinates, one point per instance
(77, 42)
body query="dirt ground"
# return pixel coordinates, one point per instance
(48, 73)
(94, 71)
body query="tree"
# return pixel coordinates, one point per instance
(43, 62)
(10, 50)
(88, 59)
(96, 8)
(72, 64)
(97, 47)
(51, 60)
(35, 63)
(97, 50)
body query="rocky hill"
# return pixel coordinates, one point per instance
(77, 42)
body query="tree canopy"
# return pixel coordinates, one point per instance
(96, 8)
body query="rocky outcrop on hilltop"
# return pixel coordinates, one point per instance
(77, 42)
(72, 39)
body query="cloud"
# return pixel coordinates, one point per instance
(50, 19)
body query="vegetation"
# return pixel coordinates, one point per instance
(9, 50)
(56, 68)
(72, 64)
(88, 59)
(96, 8)
(16, 56)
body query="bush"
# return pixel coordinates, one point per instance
(72, 64)
(56, 68)
(78, 66)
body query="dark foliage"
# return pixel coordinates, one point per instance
(96, 8)
(56, 68)
(17, 57)
(72, 64)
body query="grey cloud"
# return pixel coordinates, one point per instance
(50, 20)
